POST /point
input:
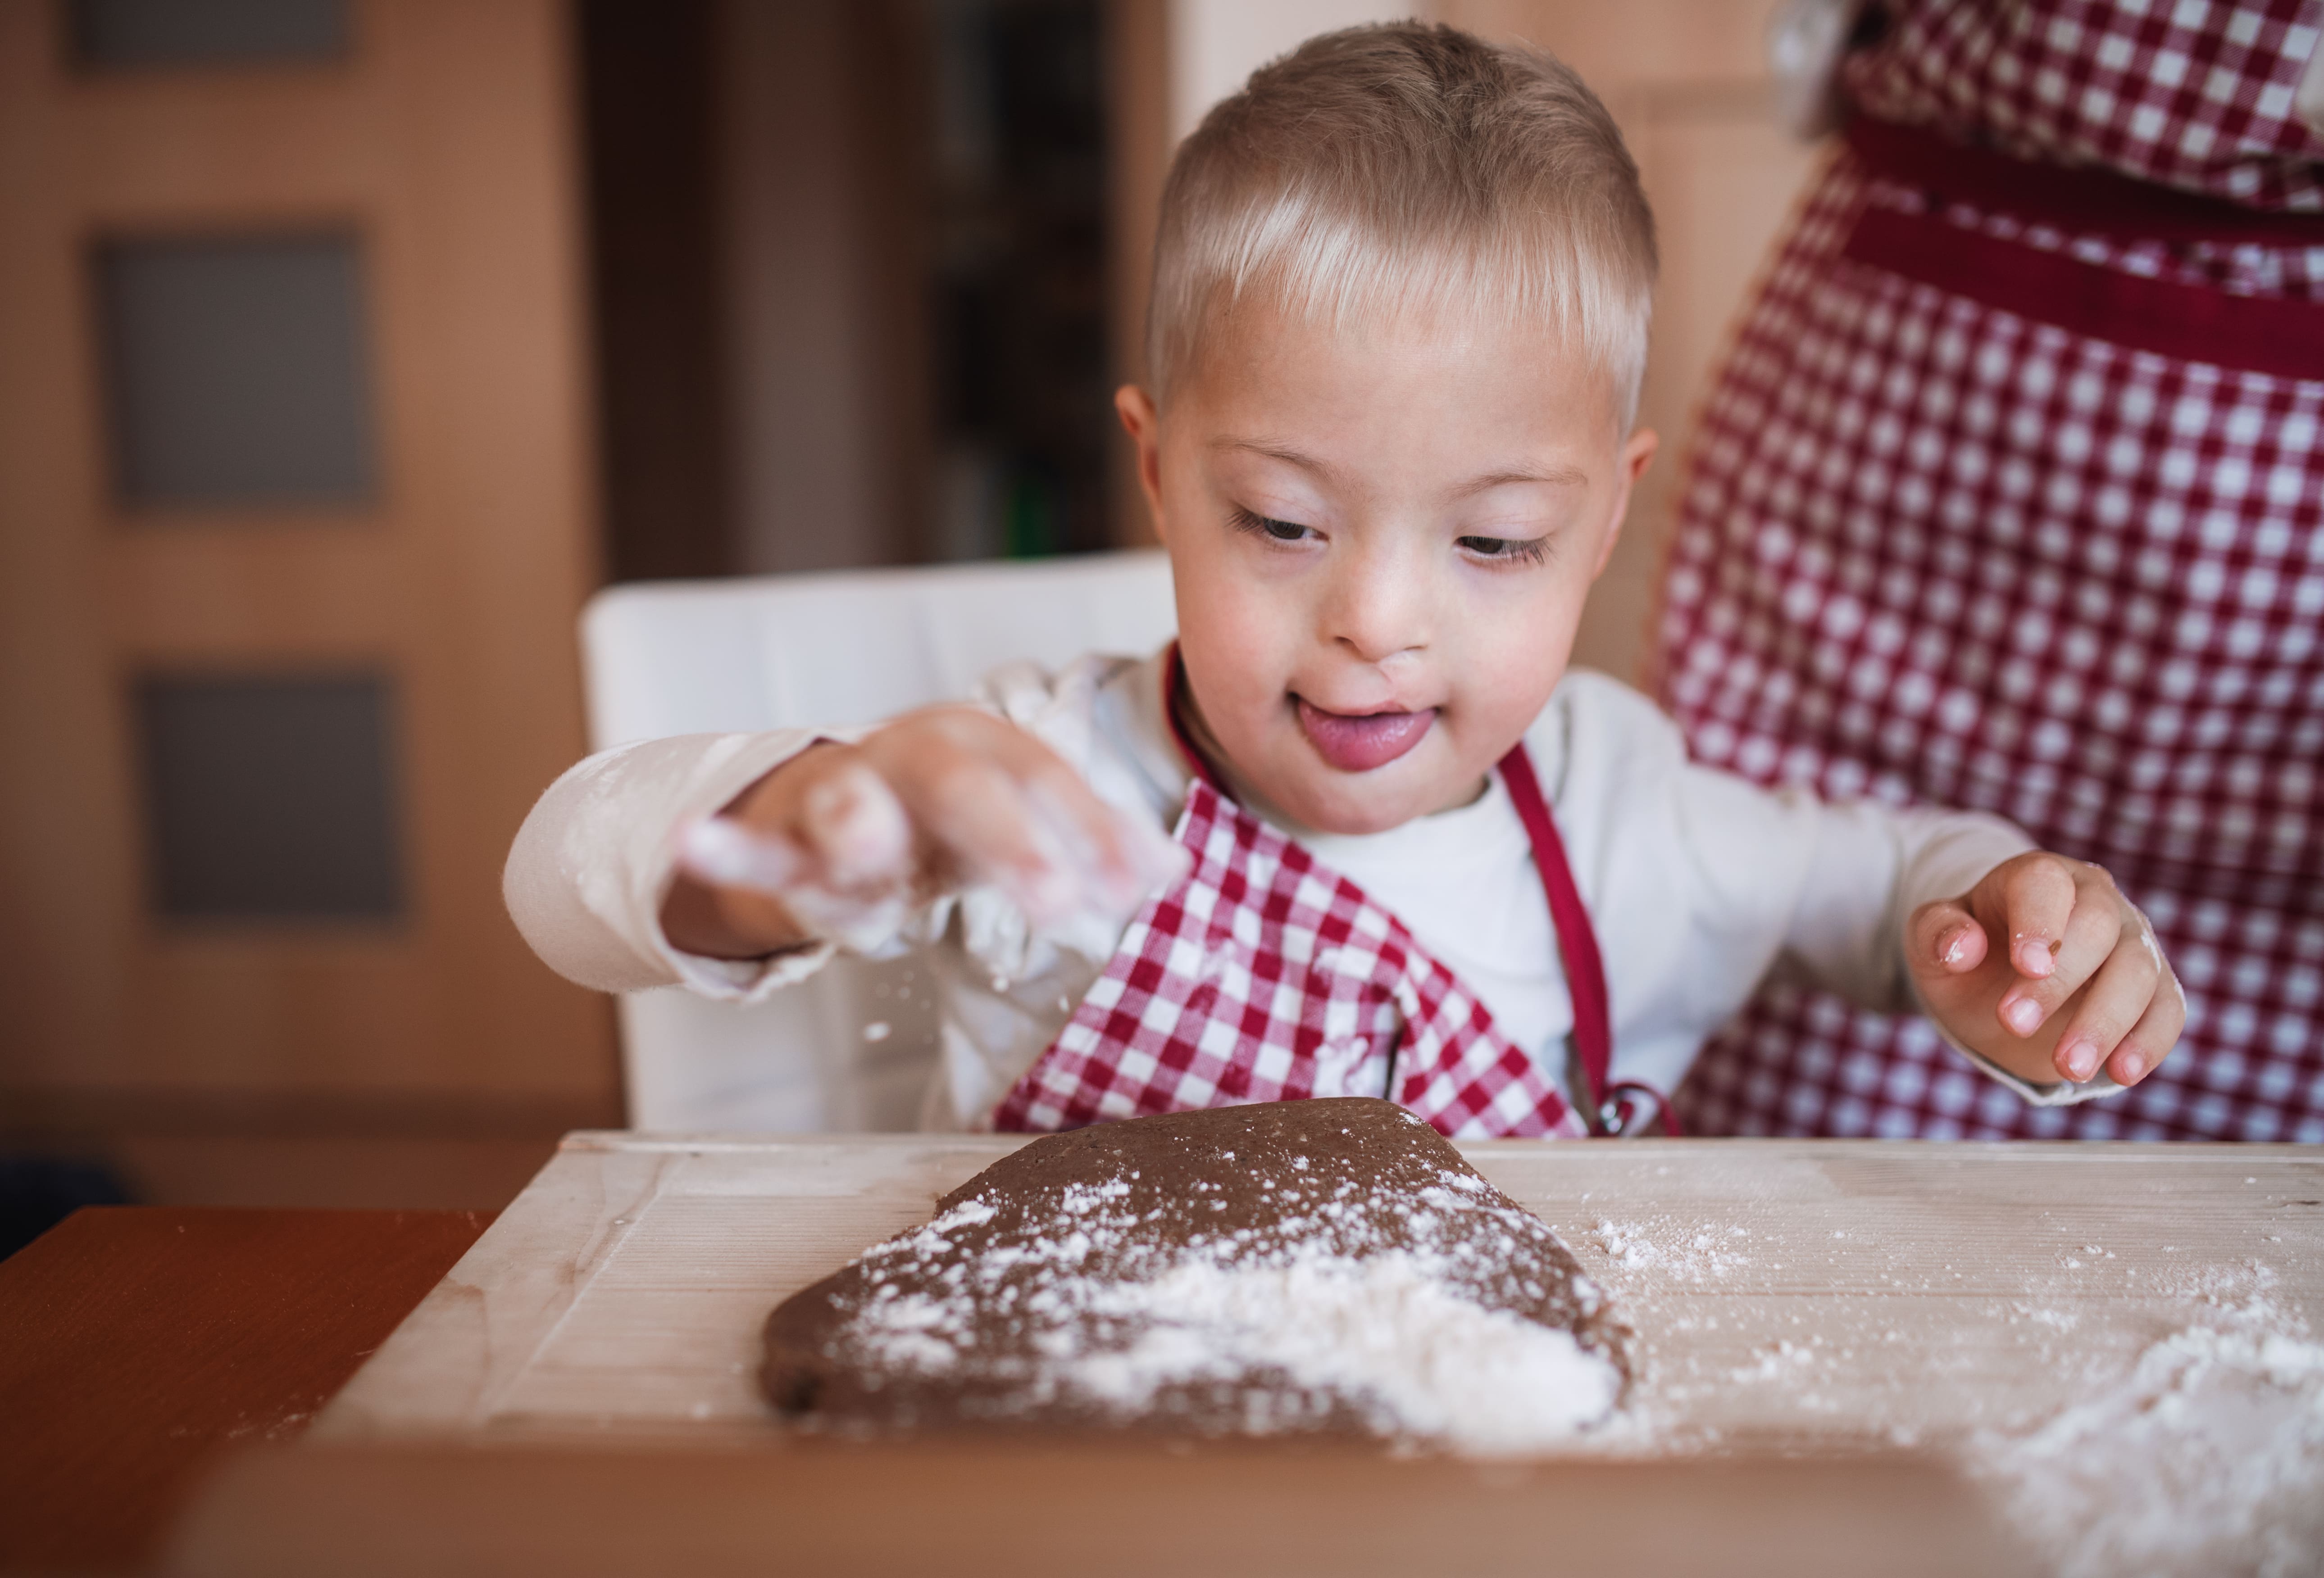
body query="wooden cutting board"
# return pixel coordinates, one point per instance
(1792, 1294)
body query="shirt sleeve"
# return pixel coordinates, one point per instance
(1868, 868)
(2062, 1092)
(587, 876)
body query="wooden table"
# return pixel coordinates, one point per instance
(1837, 1338)
(1868, 1299)
(1789, 1295)
(135, 1342)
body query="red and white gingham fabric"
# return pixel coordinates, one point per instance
(2188, 92)
(1263, 976)
(1930, 550)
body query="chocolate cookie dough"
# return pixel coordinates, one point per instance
(1327, 1267)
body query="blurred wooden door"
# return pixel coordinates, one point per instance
(295, 517)
(1688, 81)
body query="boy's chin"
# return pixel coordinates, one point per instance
(1358, 804)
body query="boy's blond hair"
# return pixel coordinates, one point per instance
(1380, 169)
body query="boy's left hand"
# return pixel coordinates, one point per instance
(2045, 968)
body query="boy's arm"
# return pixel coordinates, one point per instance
(1905, 858)
(589, 871)
(1713, 880)
(595, 883)
(1977, 927)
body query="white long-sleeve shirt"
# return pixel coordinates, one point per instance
(1698, 883)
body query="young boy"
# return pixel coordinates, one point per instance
(1376, 839)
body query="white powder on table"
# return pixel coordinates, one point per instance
(2202, 1455)
(1674, 1250)
(2207, 1458)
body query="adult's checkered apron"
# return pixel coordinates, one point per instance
(2011, 496)
(1264, 976)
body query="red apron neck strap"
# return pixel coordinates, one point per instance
(1577, 941)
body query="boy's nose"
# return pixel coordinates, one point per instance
(1379, 606)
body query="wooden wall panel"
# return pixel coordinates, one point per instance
(446, 140)
(64, 860)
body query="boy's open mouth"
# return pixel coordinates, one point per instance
(1358, 743)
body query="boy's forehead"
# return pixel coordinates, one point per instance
(1257, 352)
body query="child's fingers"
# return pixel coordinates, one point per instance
(1113, 859)
(2118, 997)
(954, 791)
(1118, 860)
(2091, 935)
(2150, 1040)
(976, 811)
(1086, 829)
(816, 852)
(2035, 896)
(854, 828)
(737, 904)
(1119, 857)
(722, 852)
(1947, 937)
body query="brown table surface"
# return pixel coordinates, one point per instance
(137, 1342)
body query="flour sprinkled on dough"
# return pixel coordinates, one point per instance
(1352, 1278)
(1392, 1334)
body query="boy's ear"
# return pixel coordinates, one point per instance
(1638, 453)
(1143, 423)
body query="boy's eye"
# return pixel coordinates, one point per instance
(1520, 550)
(1281, 531)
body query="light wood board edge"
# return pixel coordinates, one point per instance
(484, 1322)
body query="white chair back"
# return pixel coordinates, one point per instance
(851, 1049)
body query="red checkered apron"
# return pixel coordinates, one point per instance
(2011, 495)
(1264, 976)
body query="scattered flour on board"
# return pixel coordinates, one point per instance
(2207, 1458)
(1690, 1253)
(1392, 1332)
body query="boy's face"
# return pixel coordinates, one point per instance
(1381, 542)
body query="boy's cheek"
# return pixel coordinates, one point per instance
(1520, 653)
(1242, 602)
(1230, 627)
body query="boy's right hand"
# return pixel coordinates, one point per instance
(848, 838)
